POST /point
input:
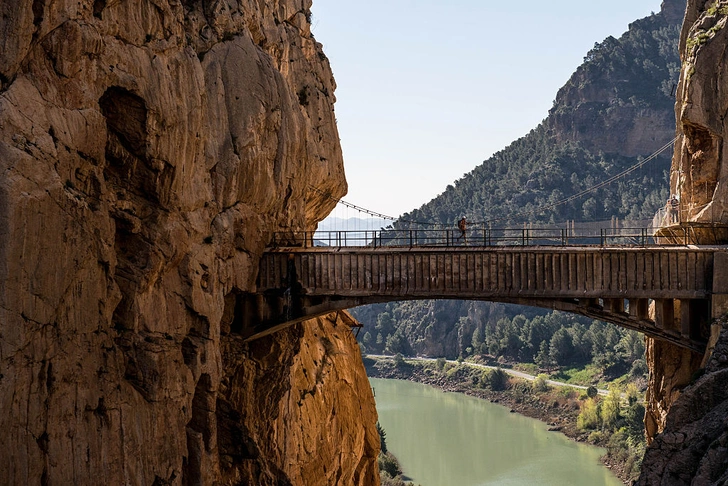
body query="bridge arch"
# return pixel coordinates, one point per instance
(613, 284)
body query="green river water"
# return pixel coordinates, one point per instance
(451, 439)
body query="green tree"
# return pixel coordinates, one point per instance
(590, 417)
(543, 359)
(561, 347)
(611, 408)
(382, 438)
(477, 341)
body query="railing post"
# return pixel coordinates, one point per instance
(410, 239)
(601, 236)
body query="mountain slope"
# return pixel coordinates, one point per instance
(616, 109)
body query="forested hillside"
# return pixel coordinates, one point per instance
(616, 110)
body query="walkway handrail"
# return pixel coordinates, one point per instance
(481, 237)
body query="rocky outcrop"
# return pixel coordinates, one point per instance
(697, 176)
(619, 100)
(148, 148)
(690, 418)
(693, 447)
(698, 173)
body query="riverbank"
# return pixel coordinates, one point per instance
(557, 406)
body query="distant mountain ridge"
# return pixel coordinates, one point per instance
(616, 109)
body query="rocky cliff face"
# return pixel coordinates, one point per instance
(698, 173)
(618, 100)
(691, 446)
(147, 149)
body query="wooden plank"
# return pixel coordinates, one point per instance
(674, 271)
(685, 318)
(376, 273)
(700, 271)
(369, 272)
(599, 271)
(631, 271)
(580, 272)
(431, 272)
(690, 264)
(531, 272)
(469, 264)
(682, 271)
(501, 268)
(639, 281)
(589, 279)
(573, 278)
(540, 278)
(318, 272)
(564, 262)
(513, 272)
(548, 271)
(614, 272)
(396, 281)
(414, 270)
(348, 273)
(664, 270)
(478, 271)
(650, 271)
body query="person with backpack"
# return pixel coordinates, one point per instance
(463, 226)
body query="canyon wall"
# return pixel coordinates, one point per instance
(686, 418)
(148, 148)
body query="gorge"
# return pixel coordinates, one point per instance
(149, 149)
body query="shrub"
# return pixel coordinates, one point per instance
(440, 363)
(539, 384)
(389, 464)
(590, 416)
(567, 392)
(494, 379)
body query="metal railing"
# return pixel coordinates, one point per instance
(484, 237)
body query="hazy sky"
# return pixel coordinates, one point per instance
(428, 89)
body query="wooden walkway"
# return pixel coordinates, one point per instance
(615, 284)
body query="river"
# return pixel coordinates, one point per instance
(447, 439)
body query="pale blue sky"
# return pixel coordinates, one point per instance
(429, 89)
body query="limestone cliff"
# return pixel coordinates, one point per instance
(148, 148)
(620, 98)
(697, 176)
(693, 448)
(690, 419)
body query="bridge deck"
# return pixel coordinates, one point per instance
(614, 284)
(558, 272)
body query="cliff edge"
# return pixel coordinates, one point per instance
(686, 417)
(148, 148)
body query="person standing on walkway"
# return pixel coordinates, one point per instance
(463, 226)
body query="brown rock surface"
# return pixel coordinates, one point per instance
(691, 420)
(698, 176)
(147, 150)
(693, 447)
(699, 173)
